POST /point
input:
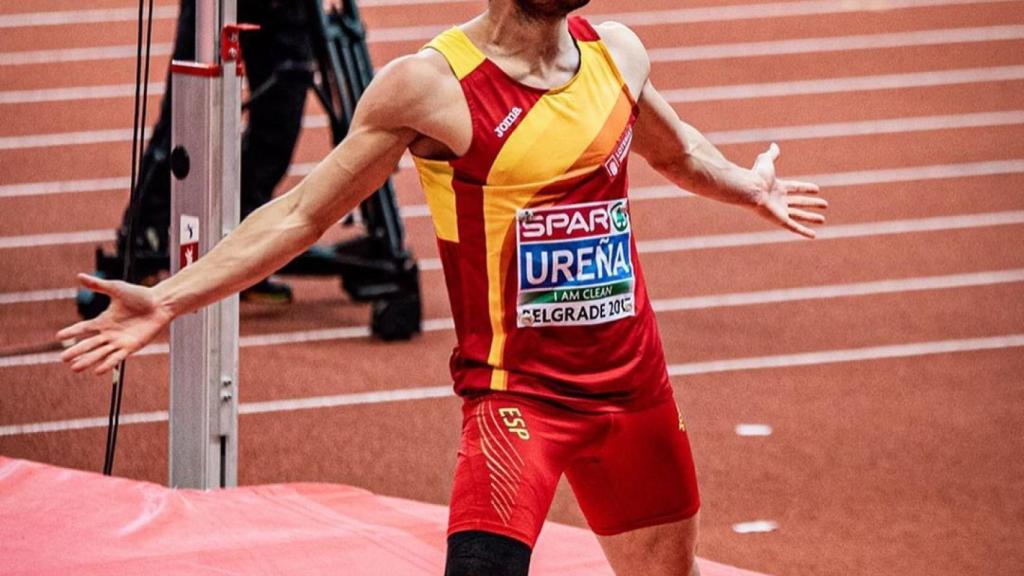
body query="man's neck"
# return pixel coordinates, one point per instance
(545, 43)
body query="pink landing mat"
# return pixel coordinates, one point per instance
(59, 521)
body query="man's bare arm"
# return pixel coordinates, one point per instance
(383, 127)
(682, 154)
(281, 229)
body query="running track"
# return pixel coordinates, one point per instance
(886, 356)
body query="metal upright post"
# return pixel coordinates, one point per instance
(205, 163)
(231, 185)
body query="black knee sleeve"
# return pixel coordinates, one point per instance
(475, 553)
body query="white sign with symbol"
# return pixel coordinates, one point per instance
(188, 240)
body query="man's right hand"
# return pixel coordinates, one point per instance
(132, 320)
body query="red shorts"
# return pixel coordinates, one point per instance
(628, 470)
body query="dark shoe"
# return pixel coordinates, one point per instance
(269, 291)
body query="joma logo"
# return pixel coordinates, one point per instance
(507, 123)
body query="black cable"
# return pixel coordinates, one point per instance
(138, 144)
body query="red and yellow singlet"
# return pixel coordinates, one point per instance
(534, 232)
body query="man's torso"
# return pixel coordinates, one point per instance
(534, 232)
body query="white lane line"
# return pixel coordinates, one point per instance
(844, 85)
(825, 130)
(308, 336)
(345, 400)
(65, 55)
(868, 127)
(930, 172)
(56, 139)
(121, 185)
(111, 184)
(37, 296)
(832, 232)
(663, 305)
(776, 10)
(917, 173)
(755, 527)
(701, 14)
(753, 430)
(672, 54)
(897, 286)
(64, 187)
(111, 15)
(675, 96)
(401, 34)
(81, 423)
(687, 369)
(849, 355)
(291, 405)
(97, 16)
(837, 43)
(75, 93)
(85, 137)
(56, 239)
(914, 173)
(880, 228)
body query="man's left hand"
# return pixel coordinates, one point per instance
(784, 201)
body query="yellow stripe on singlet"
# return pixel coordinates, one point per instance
(436, 180)
(547, 143)
(436, 175)
(462, 55)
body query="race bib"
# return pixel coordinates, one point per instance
(575, 264)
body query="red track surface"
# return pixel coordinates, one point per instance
(906, 465)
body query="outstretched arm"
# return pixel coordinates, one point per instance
(271, 236)
(683, 155)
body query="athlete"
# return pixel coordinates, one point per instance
(520, 123)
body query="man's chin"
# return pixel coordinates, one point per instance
(546, 9)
